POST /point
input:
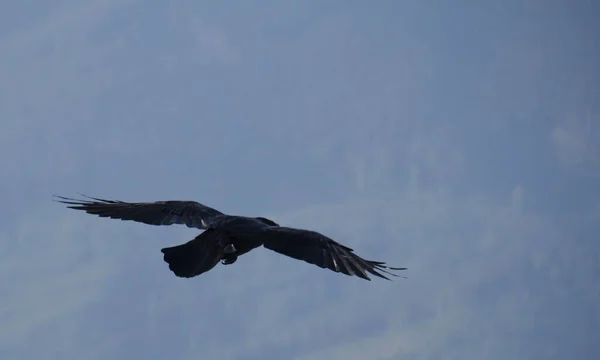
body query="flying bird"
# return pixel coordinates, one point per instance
(226, 237)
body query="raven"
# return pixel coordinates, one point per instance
(225, 237)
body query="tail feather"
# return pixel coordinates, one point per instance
(194, 257)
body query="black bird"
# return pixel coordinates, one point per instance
(225, 237)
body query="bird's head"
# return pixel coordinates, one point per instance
(267, 221)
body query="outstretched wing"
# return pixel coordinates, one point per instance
(197, 256)
(190, 213)
(318, 249)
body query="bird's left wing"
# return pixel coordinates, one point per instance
(318, 249)
(190, 213)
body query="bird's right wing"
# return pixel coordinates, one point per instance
(197, 256)
(190, 213)
(318, 249)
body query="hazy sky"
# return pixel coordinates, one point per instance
(460, 139)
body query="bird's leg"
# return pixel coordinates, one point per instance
(230, 255)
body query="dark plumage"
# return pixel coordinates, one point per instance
(226, 237)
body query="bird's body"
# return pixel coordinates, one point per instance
(226, 237)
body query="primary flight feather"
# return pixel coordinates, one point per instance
(226, 237)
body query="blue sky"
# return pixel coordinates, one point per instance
(461, 141)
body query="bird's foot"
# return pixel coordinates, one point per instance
(228, 259)
(229, 249)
